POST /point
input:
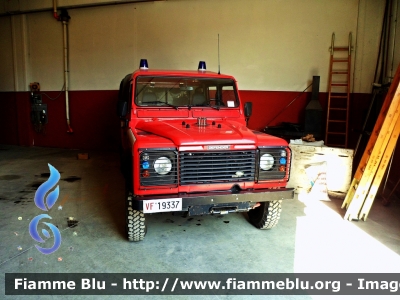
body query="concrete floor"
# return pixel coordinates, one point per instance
(310, 237)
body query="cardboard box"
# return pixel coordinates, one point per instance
(337, 162)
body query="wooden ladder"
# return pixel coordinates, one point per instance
(337, 120)
(376, 157)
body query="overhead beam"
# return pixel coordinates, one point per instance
(9, 11)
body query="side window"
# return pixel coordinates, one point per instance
(130, 94)
(124, 96)
(127, 93)
(228, 96)
(212, 94)
(222, 96)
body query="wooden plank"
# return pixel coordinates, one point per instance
(381, 171)
(372, 140)
(378, 124)
(374, 159)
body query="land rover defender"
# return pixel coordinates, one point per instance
(185, 147)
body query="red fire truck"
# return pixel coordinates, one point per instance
(185, 147)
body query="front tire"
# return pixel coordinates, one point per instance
(135, 222)
(267, 215)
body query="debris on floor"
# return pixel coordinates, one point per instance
(83, 155)
(71, 179)
(71, 222)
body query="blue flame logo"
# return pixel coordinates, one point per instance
(45, 187)
(46, 203)
(35, 235)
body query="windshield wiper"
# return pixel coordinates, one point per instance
(217, 107)
(161, 102)
(171, 105)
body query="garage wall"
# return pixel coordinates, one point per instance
(272, 47)
(269, 45)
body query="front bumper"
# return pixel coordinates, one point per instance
(220, 202)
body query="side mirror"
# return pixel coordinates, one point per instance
(122, 109)
(248, 107)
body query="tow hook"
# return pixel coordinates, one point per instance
(223, 210)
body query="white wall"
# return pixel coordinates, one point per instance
(266, 44)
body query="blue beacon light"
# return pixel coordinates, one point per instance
(202, 66)
(143, 64)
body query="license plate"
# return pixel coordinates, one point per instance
(162, 205)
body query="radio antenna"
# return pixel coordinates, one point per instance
(219, 68)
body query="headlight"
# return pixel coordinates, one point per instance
(274, 163)
(266, 162)
(158, 167)
(163, 165)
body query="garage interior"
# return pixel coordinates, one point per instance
(273, 48)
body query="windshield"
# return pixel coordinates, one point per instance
(185, 91)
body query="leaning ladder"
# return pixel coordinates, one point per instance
(337, 121)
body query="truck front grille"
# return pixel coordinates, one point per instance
(216, 167)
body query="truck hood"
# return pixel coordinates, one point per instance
(223, 132)
(229, 132)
